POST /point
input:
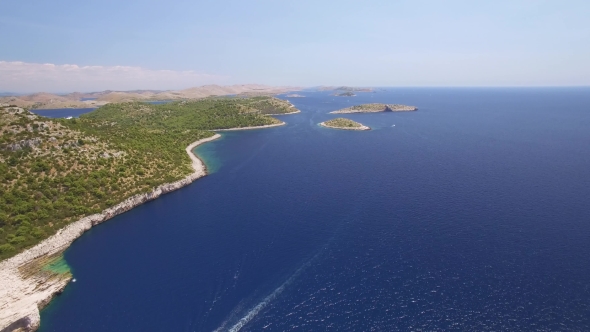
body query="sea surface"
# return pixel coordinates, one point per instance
(470, 214)
(62, 112)
(76, 112)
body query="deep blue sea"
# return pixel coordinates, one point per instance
(470, 214)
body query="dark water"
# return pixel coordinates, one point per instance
(62, 112)
(158, 102)
(75, 112)
(470, 214)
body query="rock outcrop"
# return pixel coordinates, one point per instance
(29, 143)
(345, 124)
(23, 293)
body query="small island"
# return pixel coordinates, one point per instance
(294, 95)
(342, 123)
(373, 108)
(344, 94)
(345, 88)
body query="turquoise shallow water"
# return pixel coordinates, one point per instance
(469, 214)
(58, 265)
(208, 154)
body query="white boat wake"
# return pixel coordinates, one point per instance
(260, 306)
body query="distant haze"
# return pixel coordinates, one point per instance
(34, 77)
(95, 45)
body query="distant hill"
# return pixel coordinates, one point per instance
(75, 100)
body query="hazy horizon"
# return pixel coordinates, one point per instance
(63, 93)
(88, 46)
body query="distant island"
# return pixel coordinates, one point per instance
(60, 177)
(344, 94)
(294, 95)
(373, 108)
(343, 123)
(345, 89)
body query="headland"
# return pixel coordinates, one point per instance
(375, 107)
(26, 287)
(80, 168)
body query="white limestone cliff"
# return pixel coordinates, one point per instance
(22, 296)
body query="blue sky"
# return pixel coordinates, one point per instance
(177, 43)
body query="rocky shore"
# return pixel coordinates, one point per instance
(373, 108)
(23, 293)
(294, 112)
(255, 127)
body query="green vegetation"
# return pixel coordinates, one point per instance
(55, 171)
(375, 107)
(343, 123)
(268, 105)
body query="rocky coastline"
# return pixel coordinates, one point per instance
(22, 295)
(362, 127)
(294, 112)
(254, 127)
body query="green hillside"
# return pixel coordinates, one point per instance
(55, 171)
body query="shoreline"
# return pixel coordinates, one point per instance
(254, 127)
(362, 127)
(297, 111)
(21, 299)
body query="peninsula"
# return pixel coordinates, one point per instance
(343, 123)
(373, 108)
(60, 177)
